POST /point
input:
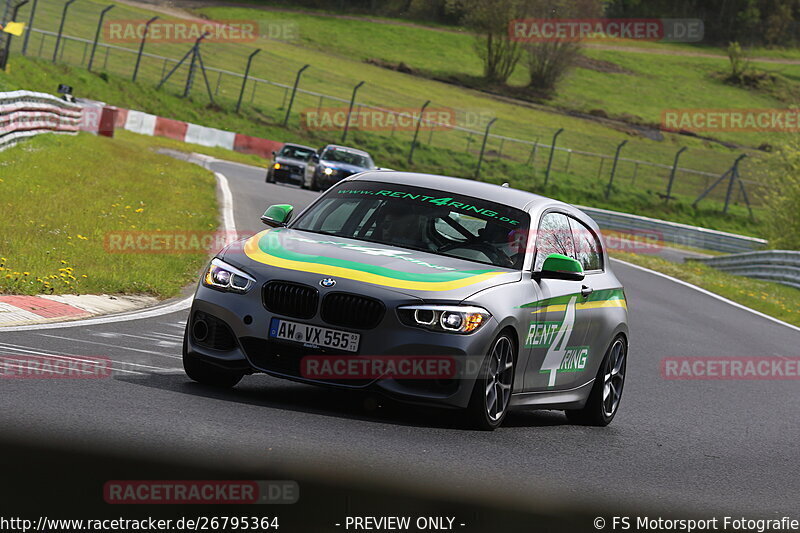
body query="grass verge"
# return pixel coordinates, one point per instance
(774, 299)
(62, 197)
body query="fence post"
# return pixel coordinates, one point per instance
(8, 36)
(97, 34)
(672, 174)
(718, 180)
(141, 47)
(294, 91)
(190, 76)
(552, 152)
(734, 177)
(483, 148)
(416, 132)
(614, 167)
(30, 27)
(350, 110)
(61, 28)
(244, 80)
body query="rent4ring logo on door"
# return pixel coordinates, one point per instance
(554, 336)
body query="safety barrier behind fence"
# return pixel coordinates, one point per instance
(771, 265)
(24, 114)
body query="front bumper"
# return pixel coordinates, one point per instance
(241, 323)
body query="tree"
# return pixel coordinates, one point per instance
(489, 19)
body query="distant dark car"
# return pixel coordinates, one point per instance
(289, 165)
(334, 163)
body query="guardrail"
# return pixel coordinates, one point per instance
(770, 265)
(24, 114)
(674, 232)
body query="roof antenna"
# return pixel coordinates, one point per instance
(505, 184)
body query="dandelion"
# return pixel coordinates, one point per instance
(26, 273)
(63, 262)
(84, 276)
(139, 210)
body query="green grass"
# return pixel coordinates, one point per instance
(335, 50)
(774, 299)
(63, 196)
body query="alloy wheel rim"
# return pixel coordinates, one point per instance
(614, 378)
(500, 375)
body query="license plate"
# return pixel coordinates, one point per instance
(313, 335)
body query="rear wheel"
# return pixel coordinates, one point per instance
(603, 402)
(490, 397)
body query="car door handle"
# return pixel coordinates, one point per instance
(586, 291)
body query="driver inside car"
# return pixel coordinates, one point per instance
(404, 226)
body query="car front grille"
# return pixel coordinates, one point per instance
(352, 310)
(211, 332)
(290, 299)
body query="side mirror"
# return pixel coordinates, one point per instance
(277, 215)
(274, 153)
(558, 266)
(315, 158)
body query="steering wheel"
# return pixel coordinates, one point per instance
(496, 255)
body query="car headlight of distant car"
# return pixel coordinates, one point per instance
(220, 275)
(445, 318)
(276, 166)
(328, 171)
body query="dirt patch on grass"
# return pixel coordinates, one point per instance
(599, 65)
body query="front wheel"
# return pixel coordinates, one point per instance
(492, 393)
(604, 398)
(208, 374)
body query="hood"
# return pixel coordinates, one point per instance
(418, 274)
(292, 160)
(353, 169)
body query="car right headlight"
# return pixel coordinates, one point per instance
(222, 276)
(328, 171)
(444, 318)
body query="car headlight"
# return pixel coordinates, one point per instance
(327, 171)
(220, 275)
(446, 318)
(276, 166)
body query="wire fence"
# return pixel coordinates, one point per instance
(277, 88)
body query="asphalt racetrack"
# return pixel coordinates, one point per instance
(679, 446)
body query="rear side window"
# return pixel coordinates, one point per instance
(554, 237)
(587, 246)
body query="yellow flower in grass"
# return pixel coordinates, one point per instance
(139, 210)
(26, 273)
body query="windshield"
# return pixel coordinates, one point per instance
(421, 219)
(337, 155)
(296, 152)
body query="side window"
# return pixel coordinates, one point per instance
(553, 237)
(587, 246)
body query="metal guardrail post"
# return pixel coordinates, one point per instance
(294, 92)
(350, 110)
(244, 80)
(61, 29)
(97, 34)
(734, 178)
(614, 168)
(30, 27)
(552, 153)
(668, 197)
(8, 36)
(416, 132)
(141, 47)
(483, 148)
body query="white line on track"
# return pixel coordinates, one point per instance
(708, 293)
(54, 353)
(112, 346)
(28, 351)
(228, 227)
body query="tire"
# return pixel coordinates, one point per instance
(600, 409)
(208, 374)
(314, 185)
(496, 379)
(270, 177)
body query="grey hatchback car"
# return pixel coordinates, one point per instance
(429, 289)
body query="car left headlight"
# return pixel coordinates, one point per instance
(220, 275)
(444, 318)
